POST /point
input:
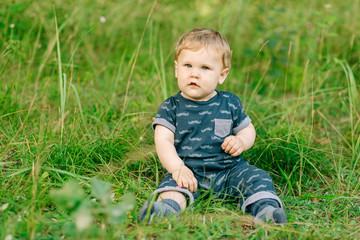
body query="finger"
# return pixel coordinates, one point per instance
(237, 153)
(190, 188)
(224, 146)
(229, 146)
(185, 184)
(239, 149)
(188, 182)
(192, 185)
(196, 185)
(179, 182)
(226, 142)
(234, 148)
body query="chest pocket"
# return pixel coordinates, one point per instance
(223, 127)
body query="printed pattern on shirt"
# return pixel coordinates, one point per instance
(200, 127)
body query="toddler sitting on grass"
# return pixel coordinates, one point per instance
(200, 133)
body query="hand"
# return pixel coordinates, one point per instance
(185, 178)
(233, 145)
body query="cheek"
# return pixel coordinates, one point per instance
(180, 80)
(181, 74)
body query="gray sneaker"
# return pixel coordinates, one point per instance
(271, 215)
(158, 209)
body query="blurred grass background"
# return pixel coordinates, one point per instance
(79, 104)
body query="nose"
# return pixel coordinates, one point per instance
(195, 73)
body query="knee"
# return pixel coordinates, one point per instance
(261, 175)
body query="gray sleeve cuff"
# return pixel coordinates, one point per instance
(242, 125)
(163, 122)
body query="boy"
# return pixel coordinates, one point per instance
(201, 132)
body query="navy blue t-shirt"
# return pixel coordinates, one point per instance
(200, 128)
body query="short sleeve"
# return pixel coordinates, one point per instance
(240, 119)
(166, 115)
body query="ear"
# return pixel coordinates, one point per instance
(175, 68)
(223, 75)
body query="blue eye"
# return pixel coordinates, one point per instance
(188, 65)
(205, 68)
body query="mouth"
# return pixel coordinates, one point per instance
(193, 84)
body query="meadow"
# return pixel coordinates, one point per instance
(81, 82)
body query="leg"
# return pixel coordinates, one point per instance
(268, 210)
(173, 195)
(170, 201)
(258, 193)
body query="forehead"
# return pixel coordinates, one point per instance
(206, 54)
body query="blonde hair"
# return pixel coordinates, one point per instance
(204, 37)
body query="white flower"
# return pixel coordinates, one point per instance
(12, 25)
(102, 19)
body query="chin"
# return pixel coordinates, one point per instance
(200, 98)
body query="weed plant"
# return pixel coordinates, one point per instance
(80, 83)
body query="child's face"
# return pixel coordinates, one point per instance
(199, 72)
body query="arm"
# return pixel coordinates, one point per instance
(164, 142)
(242, 141)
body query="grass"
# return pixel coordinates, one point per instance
(78, 96)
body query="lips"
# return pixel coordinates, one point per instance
(193, 84)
